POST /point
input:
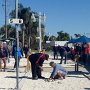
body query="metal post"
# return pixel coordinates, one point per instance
(6, 19)
(23, 34)
(29, 42)
(17, 38)
(40, 37)
(23, 37)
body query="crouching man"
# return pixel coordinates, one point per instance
(37, 60)
(58, 72)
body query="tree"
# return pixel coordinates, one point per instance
(12, 13)
(46, 38)
(63, 36)
(77, 35)
(10, 29)
(28, 28)
(52, 38)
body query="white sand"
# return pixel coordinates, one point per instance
(72, 82)
(75, 82)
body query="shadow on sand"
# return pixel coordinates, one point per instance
(22, 77)
(77, 74)
(87, 88)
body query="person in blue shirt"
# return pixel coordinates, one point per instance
(58, 71)
(14, 54)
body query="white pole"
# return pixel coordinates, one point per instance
(40, 36)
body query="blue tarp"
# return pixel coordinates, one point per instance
(82, 39)
(72, 41)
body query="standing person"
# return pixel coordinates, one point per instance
(62, 52)
(72, 53)
(58, 71)
(77, 56)
(88, 54)
(37, 60)
(78, 49)
(14, 53)
(65, 55)
(3, 55)
(5, 45)
(84, 53)
(25, 49)
(55, 50)
(67, 49)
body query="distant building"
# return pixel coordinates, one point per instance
(57, 43)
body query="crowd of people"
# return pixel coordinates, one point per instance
(65, 52)
(79, 52)
(7, 51)
(34, 61)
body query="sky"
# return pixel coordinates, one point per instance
(70, 16)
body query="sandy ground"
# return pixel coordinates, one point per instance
(73, 81)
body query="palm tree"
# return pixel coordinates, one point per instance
(52, 38)
(28, 28)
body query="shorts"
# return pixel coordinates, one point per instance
(62, 72)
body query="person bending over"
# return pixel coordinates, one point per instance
(37, 60)
(58, 72)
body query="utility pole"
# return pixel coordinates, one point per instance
(6, 19)
(40, 36)
(41, 17)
